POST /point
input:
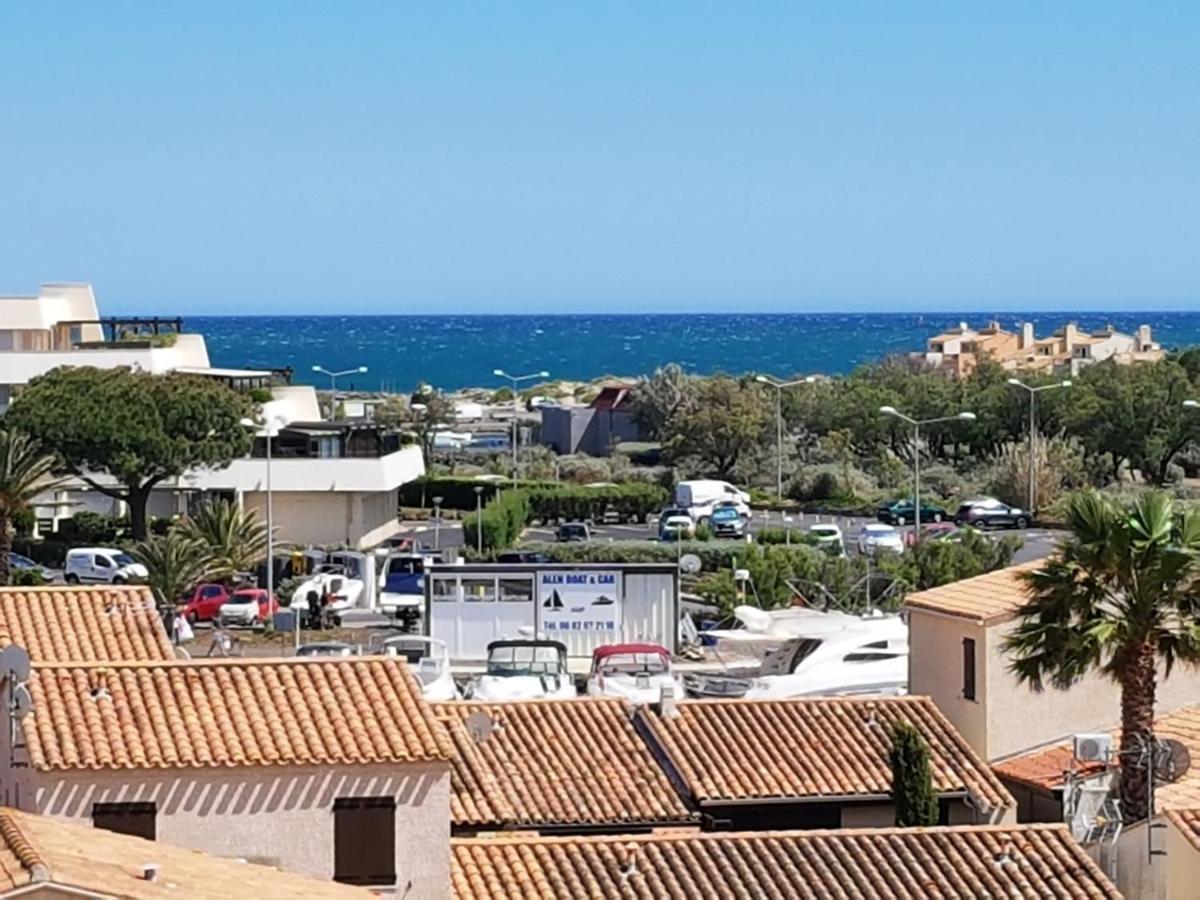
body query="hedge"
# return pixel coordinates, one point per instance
(500, 522)
(713, 555)
(632, 502)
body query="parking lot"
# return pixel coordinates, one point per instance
(1038, 541)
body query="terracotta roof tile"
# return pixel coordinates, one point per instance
(811, 747)
(69, 623)
(989, 598)
(222, 712)
(972, 861)
(1046, 768)
(1188, 823)
(40, 849)
(571, 762)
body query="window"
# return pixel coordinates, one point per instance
(479, 590)
(516, 590)
(102, 562)
(136, 819)
(968, 690)
(364, 840)
(445, 590)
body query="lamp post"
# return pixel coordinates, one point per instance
(516, 380)
(916, 426)
(779, 386)
(334, 376)
(437, 523)
(479, 519)
(270, 429)
(1033, 392)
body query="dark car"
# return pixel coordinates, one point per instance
(991, 513)
(903, 512)
(573, 531)
(523, 556)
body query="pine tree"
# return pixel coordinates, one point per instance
(912, 778)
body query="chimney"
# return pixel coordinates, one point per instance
(1144, 341)
(668, 706)
(1027, 338)
(149, 872)
(1070, 336)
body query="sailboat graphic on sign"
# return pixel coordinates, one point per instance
(553, 601)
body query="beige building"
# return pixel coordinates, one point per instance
(328, 768)
(956, 657)
(1183, 854)
(749, 765)
(46, 859)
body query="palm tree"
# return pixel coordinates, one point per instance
(175, 563)
(236, 540)
(24, 471)
(1119, 598)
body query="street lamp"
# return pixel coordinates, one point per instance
(437, 524)
(479, 518)
(779, 386)
(1033, 392)
(334, 376)
(270, 430)
(916, 424)
(515, 380)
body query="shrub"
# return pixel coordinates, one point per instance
(704, 532)
(500, 523)
(632, 502)
(456, 493)
(912, 778)
(777, 534)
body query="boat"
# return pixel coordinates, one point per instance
(524, 669)
(635, 672)
(430, 662)
(328, 592)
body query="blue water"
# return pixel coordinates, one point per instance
(460, 351)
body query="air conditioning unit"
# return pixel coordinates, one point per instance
(1091, 748)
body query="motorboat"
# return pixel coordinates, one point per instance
(869, 656)
(524, 669)
(430, 662)
(328, 591)
(635, 672)
(762, 625)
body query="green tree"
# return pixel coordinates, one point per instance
(175, 563)
(662, 398)
(24, 472)
(140, 429)
(1118, 599)
(428, 411)
(235, 540)
(912, 778)
(726, 420)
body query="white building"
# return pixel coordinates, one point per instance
(332, 483)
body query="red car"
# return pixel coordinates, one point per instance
(205, 603)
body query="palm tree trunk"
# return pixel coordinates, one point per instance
(1138, 684)
(5, 546)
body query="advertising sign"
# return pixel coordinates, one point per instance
(579, 602)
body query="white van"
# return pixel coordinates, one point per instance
(699, 498)
(101, 565)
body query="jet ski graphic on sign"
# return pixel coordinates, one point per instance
(603, 600)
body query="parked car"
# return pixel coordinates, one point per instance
(101, 565)
(524, 556)
(635, 672)
(676, 528)
(524, 669)
(248, 606)
(991, 513)
(19, 563)
(829, 538)
(878, 537)
(904, 512)
(326, 648)
(205, 602)
(726, 521)
(572, 532)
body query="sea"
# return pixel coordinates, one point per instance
(458, 351)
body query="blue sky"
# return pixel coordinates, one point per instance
(541, 157)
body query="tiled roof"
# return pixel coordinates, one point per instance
(571, 762)
(735, 750)
(40, 850)
(1045, 768)
(1188, 823)
(971, 861)
(69, 623)
(987, 599)
(222, 712)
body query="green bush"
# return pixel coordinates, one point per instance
(456, 493)
(50, 552)
(500, 523)
(91, 529)
(713, 554)
(25, 578)
(777, 534)
(631, 502)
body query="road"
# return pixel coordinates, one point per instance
(1038, 541)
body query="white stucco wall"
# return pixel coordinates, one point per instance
(359, 520)
(936, 671)
(281, 817)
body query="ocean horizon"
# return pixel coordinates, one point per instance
(457, 351)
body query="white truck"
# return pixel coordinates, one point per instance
(700, 498)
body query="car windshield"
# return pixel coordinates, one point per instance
(524, 660)
(634, 664)
(245, 597)
(326, 650)
(123, 559)
(573, 530)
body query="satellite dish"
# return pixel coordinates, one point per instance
(21, 703)
(479, 726)
(1171, 760)
(690, 564)
(14, 663)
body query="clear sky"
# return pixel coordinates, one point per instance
(565, 156)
